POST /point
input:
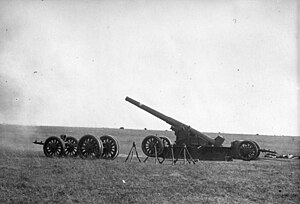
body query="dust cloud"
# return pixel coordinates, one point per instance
(19, 138)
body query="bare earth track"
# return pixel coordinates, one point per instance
(27, 176)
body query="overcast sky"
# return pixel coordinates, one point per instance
(219, 66)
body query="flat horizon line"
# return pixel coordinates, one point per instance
(145, 129)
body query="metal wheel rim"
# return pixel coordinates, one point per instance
(53, 147)
(148, 146)
(89, 147)
(71, 147)
(258, 152)
(110, 147)
(247, 150)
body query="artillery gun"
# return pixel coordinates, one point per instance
(88, 147)
(199, 145)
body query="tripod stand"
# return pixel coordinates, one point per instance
(130, 154)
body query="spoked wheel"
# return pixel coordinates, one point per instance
(149, 144)
(89, 147)
(166, 141)
(71, 146)
(258, 153)
(247, 150)
(110, 147)
(167, 144)
(53, 147)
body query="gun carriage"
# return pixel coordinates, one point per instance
(199, 145)
(88, 147)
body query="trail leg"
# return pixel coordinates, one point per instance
(155, 154)
(145, 159)
(190, 156)
(137, 155)
(131, 155)
(184, 154)
(128, 154)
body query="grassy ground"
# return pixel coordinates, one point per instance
(27, 176)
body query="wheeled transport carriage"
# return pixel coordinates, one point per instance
(190, 141)
(88, 147)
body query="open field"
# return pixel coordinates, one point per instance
(27, 176)
(21, 137)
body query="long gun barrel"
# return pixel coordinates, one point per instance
(178, 126)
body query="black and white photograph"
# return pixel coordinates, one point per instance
(149, 101)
